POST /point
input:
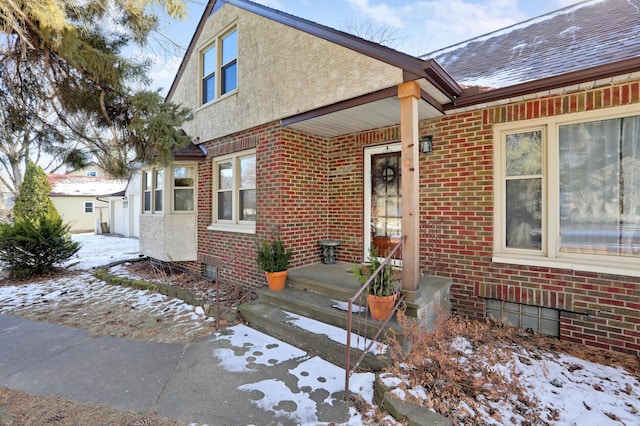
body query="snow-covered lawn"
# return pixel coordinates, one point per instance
(569, 390)
(100, 250)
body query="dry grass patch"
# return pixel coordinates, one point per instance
(466, 366)
(18, 408)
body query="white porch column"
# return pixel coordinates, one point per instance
(409, 94)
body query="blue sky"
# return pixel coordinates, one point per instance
(422, 25)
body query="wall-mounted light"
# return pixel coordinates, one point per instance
(426, 144)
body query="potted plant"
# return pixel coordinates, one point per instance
(382, 293)
(273, 259)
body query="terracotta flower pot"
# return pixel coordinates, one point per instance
(276, 280)
(381, 307)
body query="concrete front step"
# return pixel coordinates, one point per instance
(322, 308)
(335, 281)
(313, 292)
(306, 333)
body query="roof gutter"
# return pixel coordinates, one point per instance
(576, 77)
(440, 78)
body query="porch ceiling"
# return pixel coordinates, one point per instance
(372, 111)
(381, 113)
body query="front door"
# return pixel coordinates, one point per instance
(383, 199)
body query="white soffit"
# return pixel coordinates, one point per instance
(433, 91)
(373, 115)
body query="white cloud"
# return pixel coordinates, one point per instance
(446, 23)
(380, 13)
(163, 72)
(428, 25)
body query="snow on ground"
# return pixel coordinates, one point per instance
(336, 334)
(582, 392)
(570, 391)
(100, 250)
(86, 287)
(312, 376)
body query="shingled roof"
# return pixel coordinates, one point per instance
(586, 35)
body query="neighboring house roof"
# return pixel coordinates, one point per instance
(84, 186)
(570, 41)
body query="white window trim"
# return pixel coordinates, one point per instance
(217, 42)
(234, 225)
(93, 207)
(549, 256)
(145, 190)
(153, 191)
(172, 188)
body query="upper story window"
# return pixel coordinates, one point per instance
(569, 192)
(220, 67)
(235, 192)
(92, 173)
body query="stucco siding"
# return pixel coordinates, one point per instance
(281, 71)
(169, 238)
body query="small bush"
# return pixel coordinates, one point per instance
(273, 257)
(32, 201)
(35, 247)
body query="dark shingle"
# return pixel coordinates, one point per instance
(585, 35)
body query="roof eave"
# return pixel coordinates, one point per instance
(440, 78)
(549, 83)
(389, 92)
(413, 68)
(402, 60)
(196, 35)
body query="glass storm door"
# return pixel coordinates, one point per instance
(383, 199)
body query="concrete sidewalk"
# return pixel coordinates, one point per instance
(183, 381)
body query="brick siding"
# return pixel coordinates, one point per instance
(312, 187)
(291, 169)
(456, 186)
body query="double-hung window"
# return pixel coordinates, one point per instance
(235, 192)
(177, 183)
(220, 66)
(147, 184)
(88, 206)
(183, 188)
(158, 185)
(568, 192)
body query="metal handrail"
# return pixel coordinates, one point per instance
(373, 340)
(239, 254)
